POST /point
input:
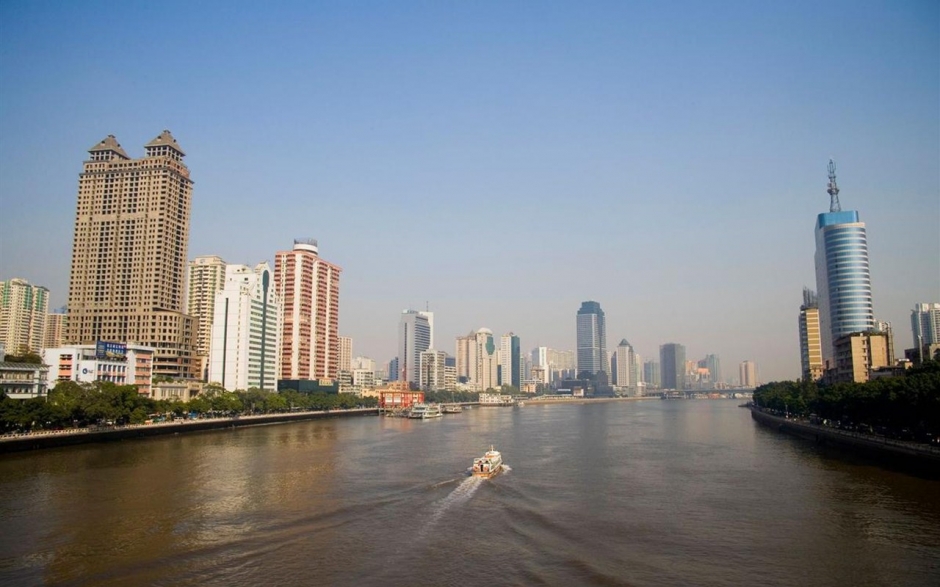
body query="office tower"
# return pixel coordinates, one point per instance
(748, 374)
(245, 330)
(430, 317)
(414, 337)
(23, 309)
(477, 360)
(129, 253)
(592, 339)
(206, 279)
(308, 288)
(925, 324)
(345, 353)
(54, 333)
(672, 366)
(509, 368)
(811, 362)
(623, 376)
(843, 279)
(652, 374)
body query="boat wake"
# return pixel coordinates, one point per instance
(460, 494)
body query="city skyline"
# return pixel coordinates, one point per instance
(700, 134)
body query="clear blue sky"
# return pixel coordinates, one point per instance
(503, 161)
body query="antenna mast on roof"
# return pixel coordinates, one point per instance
(833, 190)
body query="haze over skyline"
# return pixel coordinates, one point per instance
(504, 163)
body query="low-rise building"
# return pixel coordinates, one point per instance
(180, 391)
(121, 364)
(23, 380)
(857, 355)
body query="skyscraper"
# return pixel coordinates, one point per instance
(748, 374)
(245, 330)
(672, 366)
(477, 359)
(308, 288)
(414, 337)
(206, 279)
(625, 375)
(713, 364)
(810, 343)
(129, 253)
(652, 374)
(345, 353)
(925, 324)
(510, 369)
(592, 339)
(843, 279)
(23, 309)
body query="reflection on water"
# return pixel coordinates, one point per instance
(628, 493)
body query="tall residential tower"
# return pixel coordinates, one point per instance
(23, 309)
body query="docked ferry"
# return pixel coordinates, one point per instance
(452, 408)
(425, 411)
(488, 465)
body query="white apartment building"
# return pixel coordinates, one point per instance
(245, 347)
(23, 309)
(121, 364)
(205, 280)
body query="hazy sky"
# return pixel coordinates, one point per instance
(503, 161)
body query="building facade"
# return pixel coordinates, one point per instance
(118, 363)
(308, 288)
(747, 371)
(477, 360)
(510, 361)
(925, 324)
(592, 339)
(129, 254)
(206, 279)
(857, 355)
(54, 331)
(246, 330)
(438, 371)
(414, 337)
(811, 361)
(345, 353)
(624, 376)
(672, 366)
(23, 310)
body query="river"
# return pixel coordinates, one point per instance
(618, 493)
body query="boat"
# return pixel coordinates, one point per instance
(489, 465)
(518, 404)
(452, 408)
(425, 411)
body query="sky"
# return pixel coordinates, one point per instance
(501, 162)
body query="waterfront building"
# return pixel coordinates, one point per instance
(22, 380)
(129, 254)
(624, 375)
(414, 337)
(345, 353)
(206, 280)
(308, 288)
(363, 379)
(652, 374)
(672, 366)
(925, 324)
(857, 355)
(116, 362)
(177, 391)
(509, 369)
(434, 373)
(477, 360)
(811, 361)
(843, 279)
(23, 310)
(54, 331)
(592, 339)
(245, 330)
(748, 374)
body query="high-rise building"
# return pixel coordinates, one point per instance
(308, 288)
(345, 353)
(23, 310)
(206, 279)
(925, 324)
(672, 366)
(477, 360)
(748, 373)
(54, 333)
(435, 372)
(713, 364)
(843, 279)
(509, 368)
(625, 376)
(430, 317)
(245, 330)
(652, 374)
(414, 337)
(810, 342)
(592, 339)
(129, 254)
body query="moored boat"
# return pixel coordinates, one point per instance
(488, 465)
(452, 408)
(425, 411)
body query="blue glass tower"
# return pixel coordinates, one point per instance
(842, 273)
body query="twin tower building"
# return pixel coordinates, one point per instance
(240, 326)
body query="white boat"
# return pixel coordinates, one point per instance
(452, 408)
(488, 465)
(425, 411)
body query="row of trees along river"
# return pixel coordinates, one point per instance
(905, 407)
(77, 405)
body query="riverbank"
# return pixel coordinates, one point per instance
(920, 459)
(59, 438)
